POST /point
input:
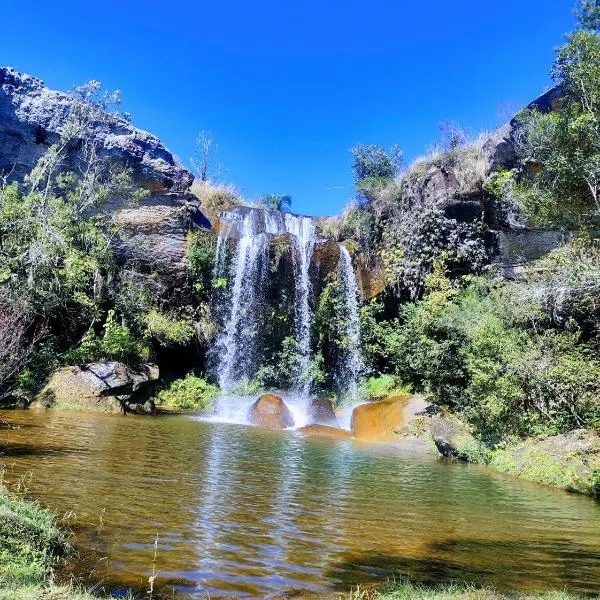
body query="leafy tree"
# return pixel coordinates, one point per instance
(560, 150)
(276, 202)
(374, 168)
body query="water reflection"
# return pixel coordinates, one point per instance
(244, 512)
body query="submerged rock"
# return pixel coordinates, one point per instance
(334, 433)
(271, 412)
(379, 421)
(320, 411)
(104, 387)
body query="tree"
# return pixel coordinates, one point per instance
(560, 150)
(276, 202)
(205, 156)
(374, 168)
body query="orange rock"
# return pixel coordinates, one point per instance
(333, 433)
(377, 421)
(271, 412)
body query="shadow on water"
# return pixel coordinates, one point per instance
(21, 450)
(497, 564)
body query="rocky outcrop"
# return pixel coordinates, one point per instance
(453, 439)
(570, 461)
(320, 411)
(31, 119)
(271, 412)
(105, 387)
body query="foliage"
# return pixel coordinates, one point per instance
(489, 351)
(216, 199)
(276, 201)
(560, 150)
(117, 343)
(373, 167)
(168, 330)
(420, 237)
(201, 259)
(31, 544)
(384, 385)
(191, 393)
(405, 590)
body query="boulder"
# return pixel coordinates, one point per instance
(271, 412)
(104, 387)
(320, 410)
(379, 421)
(334, 433)
(453, 439)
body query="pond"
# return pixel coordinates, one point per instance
(238, 511)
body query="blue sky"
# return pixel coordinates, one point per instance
(287, 88)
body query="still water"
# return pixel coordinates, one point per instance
(254, 513)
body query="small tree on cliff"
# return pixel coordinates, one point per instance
(277, 202)
(374, 168)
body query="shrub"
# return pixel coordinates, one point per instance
(116, 343)
(167, 330)
(191, 393)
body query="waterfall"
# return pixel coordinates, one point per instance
(352, 365)
(303, 232)
(237, 347)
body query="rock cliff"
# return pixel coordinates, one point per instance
(31, 119)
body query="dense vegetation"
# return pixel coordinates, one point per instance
(517, 357)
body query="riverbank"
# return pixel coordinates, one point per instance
(405, 590)
(569, 461)
(32, 546)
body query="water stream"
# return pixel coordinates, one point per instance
(253, 513)
(352, 363)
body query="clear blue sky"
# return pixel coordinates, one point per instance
(287, 88)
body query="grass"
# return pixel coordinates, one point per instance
(32, 546)
(405, 590)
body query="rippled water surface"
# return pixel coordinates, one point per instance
(246, 512)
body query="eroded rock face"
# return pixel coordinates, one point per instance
(379, 421)
(31, 119)
(334, 433)
(104, 387)
(320, 411)
(271, 412)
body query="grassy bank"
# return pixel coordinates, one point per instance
(32, 546)
(405, 590)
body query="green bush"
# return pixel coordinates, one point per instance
(384, 385)
(191, 393)
(167, 330)
(116, 343)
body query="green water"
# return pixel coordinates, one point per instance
(247, 512)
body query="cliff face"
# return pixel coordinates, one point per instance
(31, 119)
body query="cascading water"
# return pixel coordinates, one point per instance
(352, 366)
(237, 348)
(303, 232)
(237, 344)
